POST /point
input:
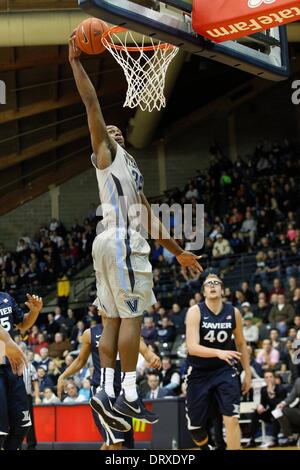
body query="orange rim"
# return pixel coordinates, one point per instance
(119, 29)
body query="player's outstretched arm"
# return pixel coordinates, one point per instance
(12, 351)
(241, 346)
(158, 231)
(193, 340)
(79, 362)
(104, 147)
(35, 305)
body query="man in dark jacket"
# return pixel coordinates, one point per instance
(270, 396)
(290, 421)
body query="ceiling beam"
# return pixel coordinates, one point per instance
(42, 147)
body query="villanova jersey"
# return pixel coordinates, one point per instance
(215, 332)
(96, 333)
(10, 313)
(119, 188)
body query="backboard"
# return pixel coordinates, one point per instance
(263, 54)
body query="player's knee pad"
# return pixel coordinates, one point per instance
(15, 438)
(199, 436)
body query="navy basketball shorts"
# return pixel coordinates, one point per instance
(109, 435)
(14, 410)
(203, 387)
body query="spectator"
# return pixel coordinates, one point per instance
(76, 335)
(169, 376)
(33, 336)
(282, 315)
(271, 395)
(277, 288)
(272, 265)
(49, 397)
(177, 317)
(85, 390)
(251, 332)
(290, 421)
(262, 311)
(275, 339)
(268, 357)
(291, 289)
(63, 292)
(248, 228)
(45, 359)
(248, 294)
(72, 395)
(296, 301)
(92, 314)
(221, 251)
(53, 371)
(58, 317)
(287, 359)
(155, 390)
(256, 368)
(41, 343)
(52, 327)
(43, 380)
(59, 346)
(69, 322)
(149, 331)
(166, 332)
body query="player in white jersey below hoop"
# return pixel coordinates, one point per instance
(120, 253)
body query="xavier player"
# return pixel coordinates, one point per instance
(120, 253)
(14, 411)
(90, 344)
(212, 372)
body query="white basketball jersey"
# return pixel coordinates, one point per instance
(119, 188)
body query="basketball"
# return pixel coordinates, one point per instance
(89, 36)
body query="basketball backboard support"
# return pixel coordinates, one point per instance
(264, 54)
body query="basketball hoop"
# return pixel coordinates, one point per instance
(145, 66)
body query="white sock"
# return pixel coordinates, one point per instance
(129, 386)
(107, 381)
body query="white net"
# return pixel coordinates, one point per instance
(145, 66)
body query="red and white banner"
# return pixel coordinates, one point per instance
(224, 20)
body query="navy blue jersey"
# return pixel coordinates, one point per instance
(10, 313)
(215, 332)
(96, 333)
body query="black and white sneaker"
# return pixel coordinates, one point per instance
(134, 409)
(103, 405)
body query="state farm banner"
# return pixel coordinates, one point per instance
(224, 20)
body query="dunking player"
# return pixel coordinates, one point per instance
(14, 410)
(114, 440)
(123, 271)
(212, 372)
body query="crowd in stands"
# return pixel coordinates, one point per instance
(53, 254)
(252, 240)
